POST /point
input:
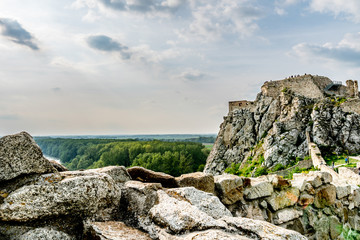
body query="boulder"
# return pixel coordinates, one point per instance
(138, 198)
(199, 180)
(111, 230)
(258, 189)
(325, 196)
(60, 194)
(286, 215)
(205, 202)
(261, 229)
(213, 234)
(179, 215)
(20, 155)
(277, 181)
(305, 200)
(229, 188)
(282, 199)
(45, 233)
(146, 175)
(342, 190)
(58, 166)
(118, 173)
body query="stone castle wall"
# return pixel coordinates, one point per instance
(306, 85)
(240, 105)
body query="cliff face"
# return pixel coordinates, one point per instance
(275, 124)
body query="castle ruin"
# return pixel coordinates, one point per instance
(307, 85)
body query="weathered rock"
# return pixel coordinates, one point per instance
(60, 194)
(199, 180)
(258, 190)
(136, 201)
(342, 190)
(305, 200)
(277, 181)
(214, 235)
(284, 198)
(19, 155)
(229, 188)
(118, 173)
(325, 196)
(205, 202)
(58, 166)
(113, 231)
(322, 228)
(180, 215)
(261, 229)
(146, 175)
(286, 215)
(335, 227)
(45, 233)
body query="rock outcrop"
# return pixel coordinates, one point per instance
(38, 202)
(274, 126)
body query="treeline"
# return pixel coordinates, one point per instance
(174, 158)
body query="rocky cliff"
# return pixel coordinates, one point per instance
(37, 201)
(272, 129)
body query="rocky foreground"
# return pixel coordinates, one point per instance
(38, 200)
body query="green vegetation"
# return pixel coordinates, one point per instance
(174, 158)
(337, 101)
(348, 233)
(299, 170)
(248, 168)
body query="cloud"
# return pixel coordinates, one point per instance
(16, 33)
(192, 75)
(201, 20)
(138, 54)
(147, 7)
(216, 19)
(350, 9)
(107, 44)
(346, 51)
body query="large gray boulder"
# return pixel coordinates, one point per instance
(178, 215)
(60, 194)
(204, 201)
(199, 180)
(146, 175)
(20, 155)
(112, 230)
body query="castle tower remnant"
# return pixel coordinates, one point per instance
(352, 87)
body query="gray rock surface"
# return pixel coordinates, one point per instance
(60, 194)
(20, 155)
(199, 180)
(229, 188)
(205, 202)
(45, 233)
(112, 230)
(146, 175)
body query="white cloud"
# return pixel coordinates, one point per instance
(215, 19)
(192, 75)
(346, 51)
(350, 9)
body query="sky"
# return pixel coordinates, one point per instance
(75, 67)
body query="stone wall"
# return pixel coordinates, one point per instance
(311, 204)
(233, 105)
(306, 85)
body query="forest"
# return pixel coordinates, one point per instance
(174, 158)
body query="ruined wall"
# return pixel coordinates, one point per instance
(311, 204)
(240, 105)
(306, 85)
(352, 88)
